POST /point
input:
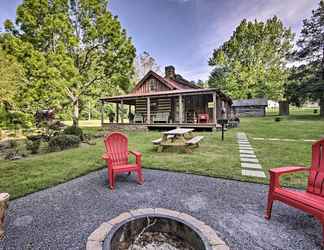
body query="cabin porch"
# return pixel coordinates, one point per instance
(198, 109)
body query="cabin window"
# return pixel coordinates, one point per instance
(153, 86)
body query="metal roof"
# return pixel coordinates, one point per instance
(165, 94)
(250, 102)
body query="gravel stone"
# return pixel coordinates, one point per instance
(64, 216)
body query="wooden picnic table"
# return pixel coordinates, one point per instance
(180, 137)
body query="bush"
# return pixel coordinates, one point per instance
(33, 146)
(74, 131)
(61, 142)
(277, 119)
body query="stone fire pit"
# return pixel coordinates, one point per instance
(154, 229)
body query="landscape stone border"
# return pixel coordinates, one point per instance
(207, 234)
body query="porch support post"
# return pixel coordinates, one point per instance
(148, 110)
(214, 108)
(122, 111)
(102, 113)
(180, 109)
(117, 112)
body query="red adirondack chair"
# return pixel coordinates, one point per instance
(312, 200)
(203, 118)
(117, 156)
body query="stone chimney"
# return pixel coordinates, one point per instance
(170, 72)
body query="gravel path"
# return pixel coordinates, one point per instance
(62, 217)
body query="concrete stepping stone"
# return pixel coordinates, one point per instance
(244, 144)
(251, 160)
(251, 165)
(247, 151)
(247, 156)
(253, 173)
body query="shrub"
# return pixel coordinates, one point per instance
(13, 144)
(277, 119)
(72, 130)
(315, 111)
(33, 146)
(61, 142)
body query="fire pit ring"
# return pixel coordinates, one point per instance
(195, 232)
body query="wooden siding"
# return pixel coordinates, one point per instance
(157, 105)
(151, 85)
(252, 111)
(192, 106)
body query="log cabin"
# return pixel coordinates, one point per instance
(169, 101)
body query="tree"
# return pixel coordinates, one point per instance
(11, 78)
(70, 49)
(252, 63)
(143, 64)
(311, 54)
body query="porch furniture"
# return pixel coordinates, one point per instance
(232, 124)
(158, 141)
(117, 158)
(161, 117)
(310, 201)
(203, 118)
(175, 138)
(138, 118)
(195, 141)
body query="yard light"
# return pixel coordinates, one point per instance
(222, 122)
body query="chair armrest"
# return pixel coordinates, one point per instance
(106, 156)
(276, 172)
(138, 156)
(136, 153)
(287, 169)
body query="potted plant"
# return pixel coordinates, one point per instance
(111, 117)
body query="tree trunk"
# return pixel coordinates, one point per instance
(75, 116)
(321, 104)
(283, 108)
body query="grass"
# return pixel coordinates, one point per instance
(213, 158)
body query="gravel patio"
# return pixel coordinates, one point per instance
(62, 217)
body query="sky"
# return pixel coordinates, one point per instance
(183, 33)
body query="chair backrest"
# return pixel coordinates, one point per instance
(117, 146)
(316, 175)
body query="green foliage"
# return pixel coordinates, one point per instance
(311, 54)
(70, 51)
(73, 130)
(252, 63)
(61, 142)
(33, 146)
(13, 119)
(11, 79)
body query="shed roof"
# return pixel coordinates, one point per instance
(250, 102)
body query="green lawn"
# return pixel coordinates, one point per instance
(212, 158)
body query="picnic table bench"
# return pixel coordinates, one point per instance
(158, 141)
(179, 137)
(195, 140)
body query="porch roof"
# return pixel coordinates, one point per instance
(133, 96)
